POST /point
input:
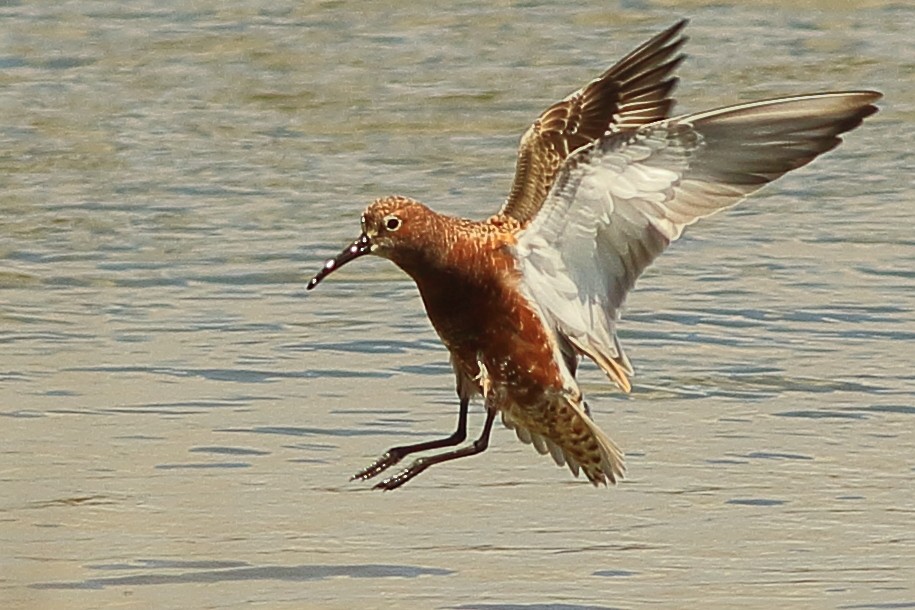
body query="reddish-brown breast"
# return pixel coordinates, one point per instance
(468, 280)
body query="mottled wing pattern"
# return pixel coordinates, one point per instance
(634, 92)
(617, 204)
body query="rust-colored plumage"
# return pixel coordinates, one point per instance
(604, 182)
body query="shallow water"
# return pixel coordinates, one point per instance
(179, 419)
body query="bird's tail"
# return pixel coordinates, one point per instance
(559, 426)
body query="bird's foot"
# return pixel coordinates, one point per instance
(404, 475)
(387, 460)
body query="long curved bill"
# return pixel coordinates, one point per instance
(360, 247)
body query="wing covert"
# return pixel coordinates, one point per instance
(634, 92)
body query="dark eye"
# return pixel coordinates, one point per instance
(392, 223)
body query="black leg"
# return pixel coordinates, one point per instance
(395, 454)
(478, 446)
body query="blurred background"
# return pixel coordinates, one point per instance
(178, 420)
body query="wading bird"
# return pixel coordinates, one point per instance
(605, 180)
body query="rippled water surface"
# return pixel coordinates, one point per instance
(178, 419)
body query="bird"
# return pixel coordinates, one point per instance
(605, 179)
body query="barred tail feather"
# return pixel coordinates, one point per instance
(563, 430)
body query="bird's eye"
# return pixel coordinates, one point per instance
(391, 223)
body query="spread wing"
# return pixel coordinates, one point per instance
(632, 93)
(617, 204)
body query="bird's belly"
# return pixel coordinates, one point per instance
(511, 353)
(494, 333)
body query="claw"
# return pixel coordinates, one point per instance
(392, 483)
(378, 466)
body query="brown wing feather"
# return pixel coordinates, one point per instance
(632, 93)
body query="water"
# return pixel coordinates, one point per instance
(179, 419)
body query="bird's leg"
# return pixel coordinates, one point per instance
(395, 454)
(478, 446)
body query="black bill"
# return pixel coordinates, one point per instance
(360, 247)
